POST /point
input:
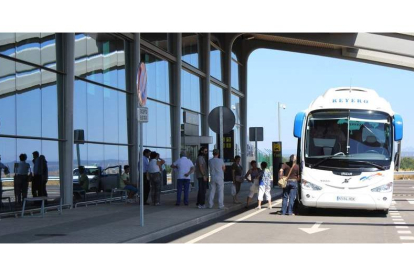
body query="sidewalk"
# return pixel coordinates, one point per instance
(118, 222)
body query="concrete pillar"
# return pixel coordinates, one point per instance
(66, 63)
(228, 42)
(133, 150)
(206, 87)
(243, 116)
(176, 124)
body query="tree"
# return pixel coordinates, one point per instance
(407, 164)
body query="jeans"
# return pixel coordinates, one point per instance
(37, 185)
(131, 188)
(180, 184)
(202, 188)
(155, 180)
(289, 194)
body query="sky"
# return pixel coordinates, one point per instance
(296, 79)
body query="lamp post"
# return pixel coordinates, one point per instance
(279, 105)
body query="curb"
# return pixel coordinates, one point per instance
(190, 223)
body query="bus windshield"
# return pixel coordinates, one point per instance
(356, 134)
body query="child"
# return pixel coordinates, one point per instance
(264, 186)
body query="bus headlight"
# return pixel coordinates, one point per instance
(310, 186)
(383, 189)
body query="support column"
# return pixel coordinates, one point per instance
(133, 152)
(227, 71)
(206, 92)
(176, 125)
(66, 64)
(243, 118)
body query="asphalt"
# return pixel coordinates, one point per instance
(119, 222)
(320, 226)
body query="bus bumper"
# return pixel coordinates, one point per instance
(371, 201)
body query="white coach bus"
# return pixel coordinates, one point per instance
(349, 144)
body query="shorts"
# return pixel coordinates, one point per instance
(264, 190)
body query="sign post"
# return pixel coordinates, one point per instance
(256, 134)
(221, 120)
(142, 118)
(277, 160)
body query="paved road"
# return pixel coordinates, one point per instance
(322, 226)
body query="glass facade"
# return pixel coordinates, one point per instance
(235, 75)
(215, 63)
(158, 77)
(190, 91)
(100, 58)
(190, 51)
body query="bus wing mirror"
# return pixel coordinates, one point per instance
(297, 128)
(398, 128)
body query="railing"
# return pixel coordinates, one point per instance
(10, 179)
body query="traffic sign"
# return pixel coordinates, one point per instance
(228, 119)
(143, 114)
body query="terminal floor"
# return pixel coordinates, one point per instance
(117, 222)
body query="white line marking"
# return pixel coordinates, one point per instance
(404, 232)
(394, 211)
(410, 200)
(399, 222)
(314, 229)
(397, 219)
(407, 238)
(401, 227)
(230, 224)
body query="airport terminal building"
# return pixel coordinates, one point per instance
(52, 84)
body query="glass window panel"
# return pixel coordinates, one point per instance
(235, 107)
(95, 112)
(100, 58)
(83, 153)
(8, 44)
(48, 50)
(28, 101)
(216, 99)
(157, 132)
(28, 146)
(237, 140)
(28, 47)
(95, 156)
(215, 63)
(190, 91)
(110, 125)
(161, 40)
(123, 156)
(122, 118)
(80, 110)
(235, 74)
(8, 152)
(158, 77)
(190, 49)
(50, 149)
(7, 97)
(49, 105)
(111, 156)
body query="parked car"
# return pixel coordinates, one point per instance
(100, 179)
(94, 176)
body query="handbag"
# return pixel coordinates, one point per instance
(283, 181)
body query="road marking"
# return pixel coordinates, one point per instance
(212, 232)
(407, 238)
(399, 222)
(314, 229)
(393, 211)
(401, 227)
(410, 200)
(404, 232)
(397, 219)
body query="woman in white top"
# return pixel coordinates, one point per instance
(154, 171)
(21, 179)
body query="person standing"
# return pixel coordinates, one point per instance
(21, 183)
(254, 179)
(238, 178)
(145, 164)
(44, 175)
(202, 177)
(290, 170)
(37, 176)
(154, 171)
(264, 186)
(5, 171)
(184, 168)
(217, 168)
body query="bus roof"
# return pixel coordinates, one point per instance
(351, 98)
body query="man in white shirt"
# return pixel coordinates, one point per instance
(184, 168)
(217, 168)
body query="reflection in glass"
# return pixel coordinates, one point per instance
(161, 40)
(110, 115)
(49, 105)
(190, 50)
(190, 91)
(235, 74)
(215, 62)
(100, 58)
(8, 152)
(80, 110)
(95, 112)
(158, 73)
(235, 107)
(157, 132)
(122, 118)
(8, 44)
